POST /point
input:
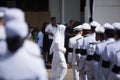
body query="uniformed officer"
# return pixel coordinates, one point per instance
(109, 38)
(17, 64)
(113, 52)
(96, 57)
(91, 44)
(15, 14)
(82, 72)
(99, 33)
(59, 65)
(75, 43)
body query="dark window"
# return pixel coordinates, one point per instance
(27, 5)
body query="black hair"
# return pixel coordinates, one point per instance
(52, 18)
(44, 26)
(14, 43)
(110, 33)
(71, 21)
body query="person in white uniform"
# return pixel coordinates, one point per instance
(81, 63)
(109, 38)
(91, 45)
(96, 57)
(15, 14)
(113, 52)
(17, 64)
(59, 66)
(76, 43)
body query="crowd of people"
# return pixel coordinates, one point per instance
(91, 49)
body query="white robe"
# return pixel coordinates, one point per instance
(59, 66)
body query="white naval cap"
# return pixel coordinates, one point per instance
(116, 25)
(100, 29)
(78, 28)
(14, 14)
(108, 26)
(86, 26)
(94, 24)
(14, 28)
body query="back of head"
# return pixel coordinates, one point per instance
(117, 29)
(86, 28)
(109, 30)
(16, 33)
(99, 33)
(93, 25)
(71, 23)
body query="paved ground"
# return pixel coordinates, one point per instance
(67, 77)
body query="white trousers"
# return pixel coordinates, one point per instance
(97, 71)
(75, 72)
(90, 70)
(59, 70)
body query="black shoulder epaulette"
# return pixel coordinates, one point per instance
(78, 39)
(70, 49)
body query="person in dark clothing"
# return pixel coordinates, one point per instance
(68, 34)
(45, 42)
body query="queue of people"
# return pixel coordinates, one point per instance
(95, 54)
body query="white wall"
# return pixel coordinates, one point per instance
(55, 9)
(71, 10)
(107, 11)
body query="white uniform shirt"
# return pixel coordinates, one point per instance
(113, 50)
(75, 44)
(103, 45)
(90, 43)
(22, 66)
(51, 29)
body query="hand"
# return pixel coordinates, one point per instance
(64, 50)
